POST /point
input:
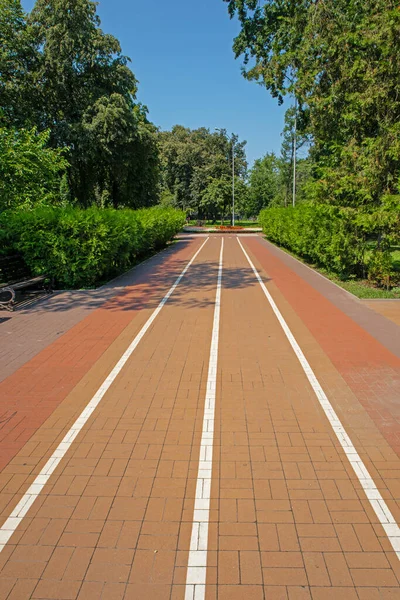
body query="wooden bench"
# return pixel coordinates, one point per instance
(16, 278)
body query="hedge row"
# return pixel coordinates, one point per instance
(324, 235)
(337, 239)
(81, 248)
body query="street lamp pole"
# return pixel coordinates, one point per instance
(233, 182)
(233, 175)
(294, 151)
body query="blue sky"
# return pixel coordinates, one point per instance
(181, 52)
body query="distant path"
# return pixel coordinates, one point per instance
(246, 447)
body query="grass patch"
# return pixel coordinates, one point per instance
(362, 288)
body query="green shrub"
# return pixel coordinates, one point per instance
(31, 173)
(380, 267)
(80, 248)
(325, 235)
(336, 238)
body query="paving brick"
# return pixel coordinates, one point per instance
(250, 568)
(242, 592)
(228, 567)
(325, 593)
(317, 572)
(299, 593)
(292, 576)
(339, 573)
(56, 590)
(23, 589)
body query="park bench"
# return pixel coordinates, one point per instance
(16, 279)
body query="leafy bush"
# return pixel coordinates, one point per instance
(380, 267)
(325, 235)
(336, 238)
(30, 171)
(81, 248)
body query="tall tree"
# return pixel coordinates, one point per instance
(79, 63)
(295, 141)
(264, 184)
(86, 93)
(61, 73)
(17, 63)
(191, 159)
(341, 58)
(217, 198)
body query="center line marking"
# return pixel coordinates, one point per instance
(19, 512)
(378, 504)
(197, 564)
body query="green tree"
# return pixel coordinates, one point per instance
(191, 159)
(295, 139)
(217, 198)
(341, 58)
(87, 97)
(62, 73)
(30, 171)
(122, 152)
(17, 61)
(79, 63)
(264, 184)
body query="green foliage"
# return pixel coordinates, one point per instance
(271, 178)
(264, 184)
(191, 159)
(294, 140)
(341, 58)
(80, 248)
(384, 225)
(30, 172)
(121, 154)
(343, 241)
(60, 72)
(17, 60)
(324, 235)
(271, 182)
(217, 198)
(380, 269)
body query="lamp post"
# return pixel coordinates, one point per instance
(233, 176)
(294, 150)
(292, 81)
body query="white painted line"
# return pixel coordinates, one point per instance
(197, 564)
(376, 501)
(15, 518)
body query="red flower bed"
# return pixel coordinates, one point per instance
(230, 227)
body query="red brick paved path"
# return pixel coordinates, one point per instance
(370, 369)
(30, 394)
(288, 518)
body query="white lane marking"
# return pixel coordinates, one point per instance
(37, 486)
(378, 504)
(197, 564)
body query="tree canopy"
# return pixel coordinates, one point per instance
(29, 170)
(62, 74)
(341, 58)
(191, 160)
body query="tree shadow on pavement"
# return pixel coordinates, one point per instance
(144, 286)
(197, 288)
